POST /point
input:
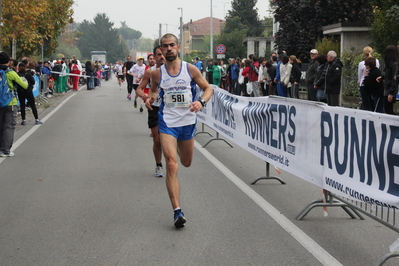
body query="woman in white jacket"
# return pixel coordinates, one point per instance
(285, 74)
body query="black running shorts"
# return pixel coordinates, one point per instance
(153, 117)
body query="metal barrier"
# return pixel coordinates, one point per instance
(268, 177)
(43, 89)
(203, 131)
(215, 138)
(384, 215)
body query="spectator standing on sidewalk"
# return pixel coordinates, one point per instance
(244, 73)
(46, 68)
(75, 79)
(263, 77)
(233, 72)
(373, 90)
(26, 94)
(89, 72)
(253, 75)
(209, 73)
(295, 77)
(216, 74)
(333, 78)
(362, 71)
(285, 74)
(198, 64)
(311, 75)
(390, 78)
(319, 84)
(9, 113)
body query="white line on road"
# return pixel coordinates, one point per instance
(36, 127)
(315, 249)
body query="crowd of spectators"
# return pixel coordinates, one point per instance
(281, 74)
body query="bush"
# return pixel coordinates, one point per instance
(326, 44)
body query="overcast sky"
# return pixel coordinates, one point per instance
(146, 15)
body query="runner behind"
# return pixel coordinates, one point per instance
(143, 91)
(119, 73)
(137, 72)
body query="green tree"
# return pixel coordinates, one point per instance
(247, 13)
(232, 34)
(268, 27)
(302, 21)
(384, 24)
(100, 35)
(130, 35)
(145, 44)
(34, 22)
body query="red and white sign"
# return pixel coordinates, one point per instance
(220, 49)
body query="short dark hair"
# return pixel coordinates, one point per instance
(169, 35)
(370, 62)
(155, 49)
(284, 59)
(321, 59)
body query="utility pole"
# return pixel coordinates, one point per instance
(211, 33)
(160, 33)
(182, 43)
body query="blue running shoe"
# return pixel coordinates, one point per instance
(180, 220)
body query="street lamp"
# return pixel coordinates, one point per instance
(211, 33)
(181, 34)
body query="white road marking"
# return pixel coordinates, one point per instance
(315, 249)
(22, 139)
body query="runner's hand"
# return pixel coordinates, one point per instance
(144, 97)
(195, 106)
(149, 102)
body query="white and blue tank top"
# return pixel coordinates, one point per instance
(177, 93)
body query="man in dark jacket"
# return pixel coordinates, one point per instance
(233, 71)
(311, 75)
(333, 78)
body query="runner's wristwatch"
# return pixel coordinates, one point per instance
(202, 101)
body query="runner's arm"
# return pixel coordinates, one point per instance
(144, 81)
(155, 76)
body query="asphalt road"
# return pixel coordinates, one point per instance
(81, 190)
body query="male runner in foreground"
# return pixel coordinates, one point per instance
(177, 114)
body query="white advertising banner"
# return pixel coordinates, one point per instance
(350, 152)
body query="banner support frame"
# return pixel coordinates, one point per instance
(330, 202)
(268, 176)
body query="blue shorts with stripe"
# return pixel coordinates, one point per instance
(180, 133)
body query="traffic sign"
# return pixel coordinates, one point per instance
(220, 49)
